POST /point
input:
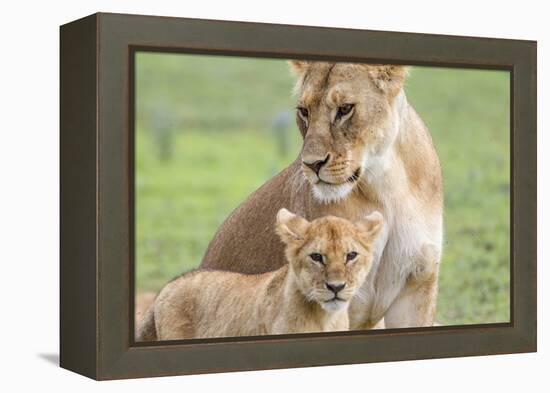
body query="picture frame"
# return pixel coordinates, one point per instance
(97, 201)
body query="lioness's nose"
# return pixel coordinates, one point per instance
(335, 287)
(316, 166)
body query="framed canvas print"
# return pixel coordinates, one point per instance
(242, 196)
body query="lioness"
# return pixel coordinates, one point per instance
(365, 148)
(329, 259)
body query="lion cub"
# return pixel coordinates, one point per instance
(329, 258)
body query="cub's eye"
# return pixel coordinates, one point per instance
(316, 257)
(344, 110)
(351, 256)
(303, 112)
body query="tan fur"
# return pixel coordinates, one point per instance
(292, 299)
(378, 157)
(142, 303)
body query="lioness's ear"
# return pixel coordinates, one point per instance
(388, 78)
(371, 225)
(298, 67)
(290, 227)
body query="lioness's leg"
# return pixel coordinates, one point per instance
(415, 305)
(381, 324)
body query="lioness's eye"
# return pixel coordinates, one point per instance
(351, 256)
(344, 110)
(303, 111)
(316, 257)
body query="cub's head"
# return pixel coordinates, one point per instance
(347, 114)
(329, 257)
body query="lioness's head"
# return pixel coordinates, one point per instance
(329, 257)
(347, 116)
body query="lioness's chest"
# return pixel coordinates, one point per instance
(352, 209)
(397, 251)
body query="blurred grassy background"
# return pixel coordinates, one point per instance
(210, 130)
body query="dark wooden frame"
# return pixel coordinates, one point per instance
(96, 319)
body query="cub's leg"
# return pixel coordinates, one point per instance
(415, 305)
(340, 322)
(145, 328)
(174, 312)
(172, 324)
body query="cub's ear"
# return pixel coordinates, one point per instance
(290, 227)
(298, 67)
(371, 225)
(388, 78)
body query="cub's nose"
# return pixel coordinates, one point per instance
(316, 166)
(335, 287)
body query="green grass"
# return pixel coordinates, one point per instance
(205, 141)
(468, 115)
(181, 203)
